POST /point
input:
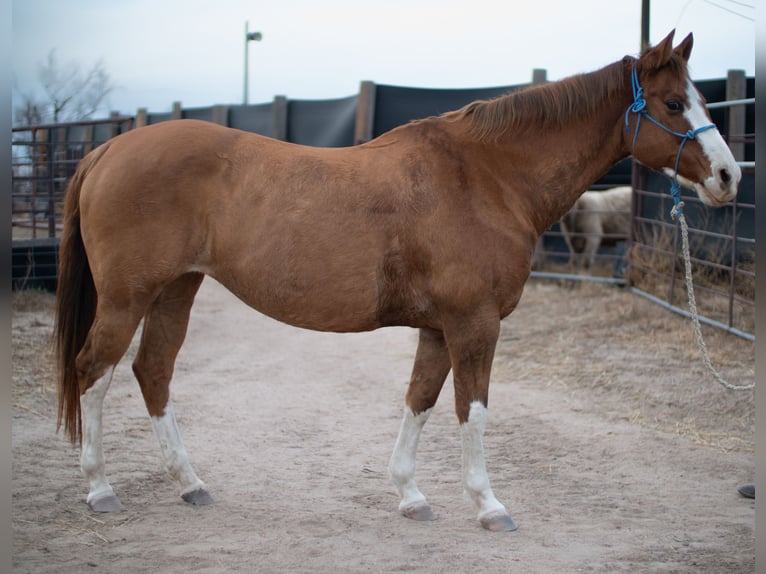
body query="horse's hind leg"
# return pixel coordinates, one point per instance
(432, 364)
(163, 334)
(107, 341)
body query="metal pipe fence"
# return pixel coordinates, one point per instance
(44, 157)
(722, 245)
(649, 263)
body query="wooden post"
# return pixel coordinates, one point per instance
(279, 118)
(539, 76)
(142, 118)
(87, 144)
(114, 127)
(221, 115)
(365, 113)
(736, 89)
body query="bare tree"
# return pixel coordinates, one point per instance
(69, 93)
(41, 162)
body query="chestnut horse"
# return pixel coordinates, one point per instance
(431, 225)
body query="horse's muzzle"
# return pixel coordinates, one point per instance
(722, 186)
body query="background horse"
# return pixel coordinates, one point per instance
(598, 218)
(431, 225)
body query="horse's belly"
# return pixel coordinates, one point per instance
(320, 305)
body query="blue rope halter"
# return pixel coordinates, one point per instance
(638, 107)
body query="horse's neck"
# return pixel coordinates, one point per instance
(570, 162)
(553, 165)
(563, 164)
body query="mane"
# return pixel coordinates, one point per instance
(544, 106)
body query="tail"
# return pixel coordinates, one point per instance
(75, 302)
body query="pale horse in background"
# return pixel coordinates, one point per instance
(598, 218)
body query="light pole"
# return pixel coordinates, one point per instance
(645, 8)
(256, 37)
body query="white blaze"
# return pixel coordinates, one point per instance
(714, 190)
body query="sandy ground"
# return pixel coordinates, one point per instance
(611, 446)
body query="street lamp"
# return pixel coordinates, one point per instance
(255, 37)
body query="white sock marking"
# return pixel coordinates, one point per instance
(173, 451)
(92, 461)
(475, 477)
(401, 468)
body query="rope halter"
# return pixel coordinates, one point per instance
(638, 107)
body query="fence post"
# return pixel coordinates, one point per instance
(279, 117)
(56, 173)
(736, 89)
(365, 113)
(87, 143)
(40, 168)
(221, 115)
(540, 76)
(114, 127)
(142, 117)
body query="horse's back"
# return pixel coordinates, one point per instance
(298, 233)
(342, 239)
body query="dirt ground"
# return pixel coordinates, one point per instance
(609, 443)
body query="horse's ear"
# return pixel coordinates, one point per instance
(656, 57)
(684, 49)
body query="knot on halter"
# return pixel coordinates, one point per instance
(639, 103)
(638, 107)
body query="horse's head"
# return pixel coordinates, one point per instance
(671, 130)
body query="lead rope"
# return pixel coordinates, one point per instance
(678, 215)
(639, 108)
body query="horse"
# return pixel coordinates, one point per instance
(598, 218)
(431, 225)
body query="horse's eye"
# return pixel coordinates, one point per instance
(674, 105)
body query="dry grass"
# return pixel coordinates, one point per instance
(657, 270)
(32, 359)
(32, 300)
(617, 353)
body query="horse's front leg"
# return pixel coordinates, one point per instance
(431, 367)
(472, 347)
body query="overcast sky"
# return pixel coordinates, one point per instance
(160, 51)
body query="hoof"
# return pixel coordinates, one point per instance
(421, 513)
(199, 497)
(747, 490)
(108, 503)
(498, 522)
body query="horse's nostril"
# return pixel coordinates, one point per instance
(725, 176)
